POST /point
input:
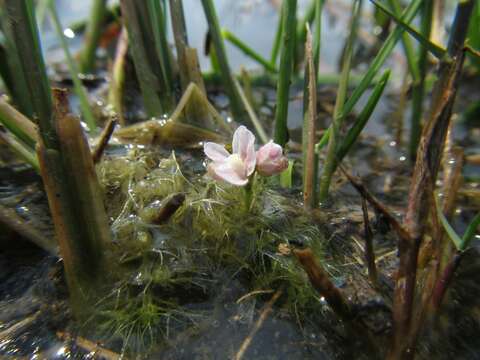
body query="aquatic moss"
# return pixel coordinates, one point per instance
(165, 268)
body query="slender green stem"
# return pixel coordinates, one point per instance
(157, 19)
(251, 113)
(331, 160)
(418, 90)
(92, 35)
(278, 39)
(286, 70)
(22, 35)
(181, 40)
(214, 29)
(145, 59)
(407, 46)
(20, 126)
(247, 50)
(306, 91)
(470, 232)
(317, 34)
(72, 66)
(41, 10)
(362, 119)
(376, 64)
(435, 49)
(301, 32)
(25, 152)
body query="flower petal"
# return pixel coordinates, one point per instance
(243, 139)
(225, 172)
(215, 152)
(250, 159)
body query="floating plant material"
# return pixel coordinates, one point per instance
(165, 132)
(189, 124)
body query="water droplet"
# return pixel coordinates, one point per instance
(69, 33)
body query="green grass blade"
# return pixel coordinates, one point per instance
(157, 19)
(286, 177)
(286, 70)
(23, 151)
(407, 45)
(418, 88)
(375, 66)
(20, 126)
(277, 42)
(22, 35)
(317, 34)
(330, 162)
(457, 240)
(247, 50)
(251, 113)
(302, 32)
(435, 49)
(470, 231)
(214, 29)
(363, 118)
(72, 66)
(92, 35)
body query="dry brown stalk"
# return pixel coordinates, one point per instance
(89, 346)
(423, 180)
(266, 310)
(11, 220)
(369, 252)
(104, 138)
(385, 211)
(322, 283)
(75, 202)
(309, 178)
(117, 83)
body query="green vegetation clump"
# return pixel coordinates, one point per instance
(166, 270)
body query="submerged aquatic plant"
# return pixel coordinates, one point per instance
(238, 167)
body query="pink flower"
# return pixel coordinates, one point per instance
(233, 168)
(270, 159)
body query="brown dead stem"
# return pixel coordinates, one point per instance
(266, 310)
(91, 347)
(104, 138)
(385, 211)
(309, 190)
(322, 283)
(369, 252)
(75, 202)
(423, 180)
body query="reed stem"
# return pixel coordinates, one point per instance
(157, 19)
(308, 138)
(181, 39)
(221, 55)
(285, 71)
(156, 99)
(20, 126)
(277, 41)
(72, 66)
(92, 35)
(331, 160)
(21, 149)
(375, 66)
(24, 48)
(418, 89)
(247, 50)
(423, 180)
